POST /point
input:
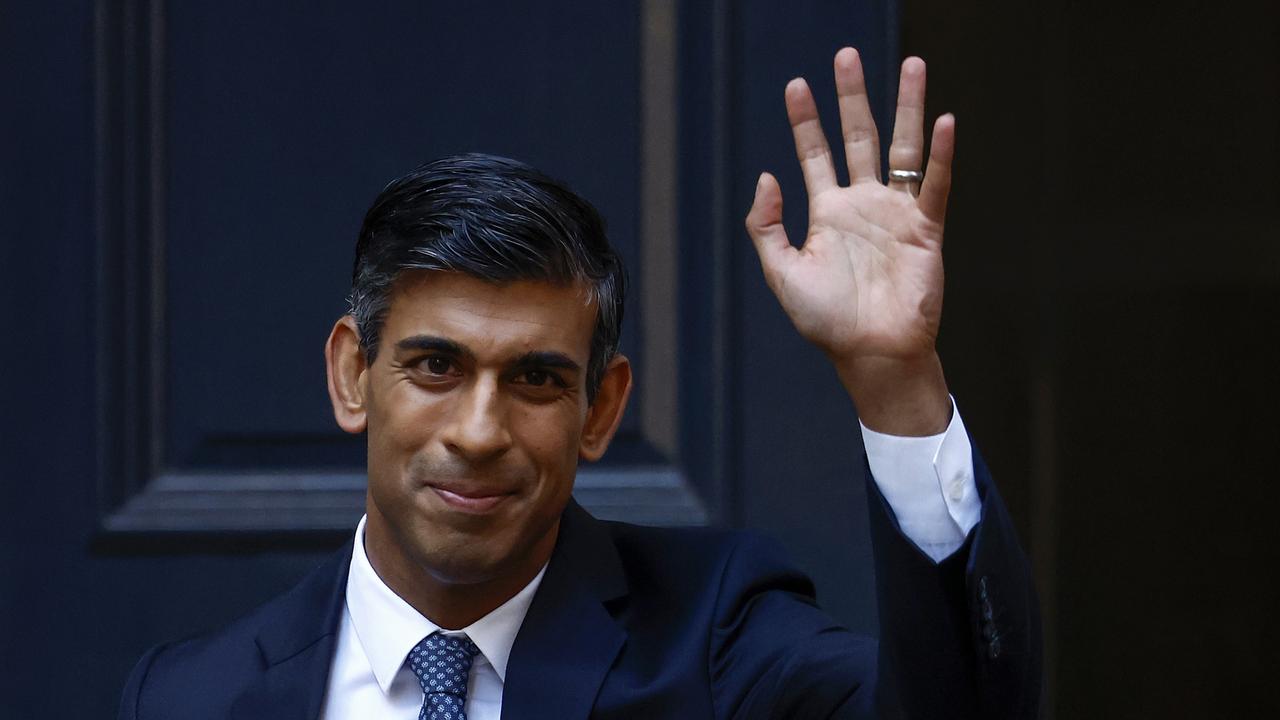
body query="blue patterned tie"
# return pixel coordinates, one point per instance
(442, 663)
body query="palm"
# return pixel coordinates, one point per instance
(868, 279)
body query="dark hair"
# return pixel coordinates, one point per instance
(494, 219)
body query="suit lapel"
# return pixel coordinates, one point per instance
(560, 657)
(569, 639)
(297, 643)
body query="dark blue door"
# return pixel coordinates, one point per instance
(180, 187)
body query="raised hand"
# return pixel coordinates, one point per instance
(866, 286)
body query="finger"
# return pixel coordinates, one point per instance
(937, 179)
(907, 150)
(811, 143)
(764, 225)
(861, 141)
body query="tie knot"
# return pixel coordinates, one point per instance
(442, 663)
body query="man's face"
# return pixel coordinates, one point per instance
(476, 406)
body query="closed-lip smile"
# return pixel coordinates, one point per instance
(478, 500)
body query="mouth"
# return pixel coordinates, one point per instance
(476, 502)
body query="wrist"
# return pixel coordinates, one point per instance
(898, 396)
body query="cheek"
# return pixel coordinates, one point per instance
(400, 422)
(550, 435)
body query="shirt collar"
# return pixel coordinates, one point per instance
(388, 627)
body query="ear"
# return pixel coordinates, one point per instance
(605, 413)
(344, 360)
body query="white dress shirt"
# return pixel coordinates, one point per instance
(928, 482)
(369, 677)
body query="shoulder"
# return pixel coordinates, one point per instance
(722, 566)
(173, 678)
(769, 649)
(702, 556)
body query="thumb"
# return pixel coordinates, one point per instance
(764, 225)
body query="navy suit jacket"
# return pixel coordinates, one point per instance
(637, 622)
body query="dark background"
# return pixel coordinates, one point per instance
(180, 184)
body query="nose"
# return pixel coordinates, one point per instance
(478, 429)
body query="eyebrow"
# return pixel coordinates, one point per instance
(533, 358)
(438, 344)
(549, 359)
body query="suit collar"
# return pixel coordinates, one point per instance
(560, 657)
(569, 638)
(297, 643)
(586, 544)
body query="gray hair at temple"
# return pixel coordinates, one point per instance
(491, 218)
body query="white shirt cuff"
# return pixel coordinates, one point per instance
(928, 481)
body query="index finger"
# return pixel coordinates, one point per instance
(811, 142)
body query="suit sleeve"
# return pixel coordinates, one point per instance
(960, 638)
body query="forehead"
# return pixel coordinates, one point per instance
(489, 317)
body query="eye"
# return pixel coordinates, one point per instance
(542, 383)
(436, 365)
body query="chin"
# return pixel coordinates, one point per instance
(462, 565)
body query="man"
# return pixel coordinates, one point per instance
(480, 356)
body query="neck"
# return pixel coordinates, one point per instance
(449, 603)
